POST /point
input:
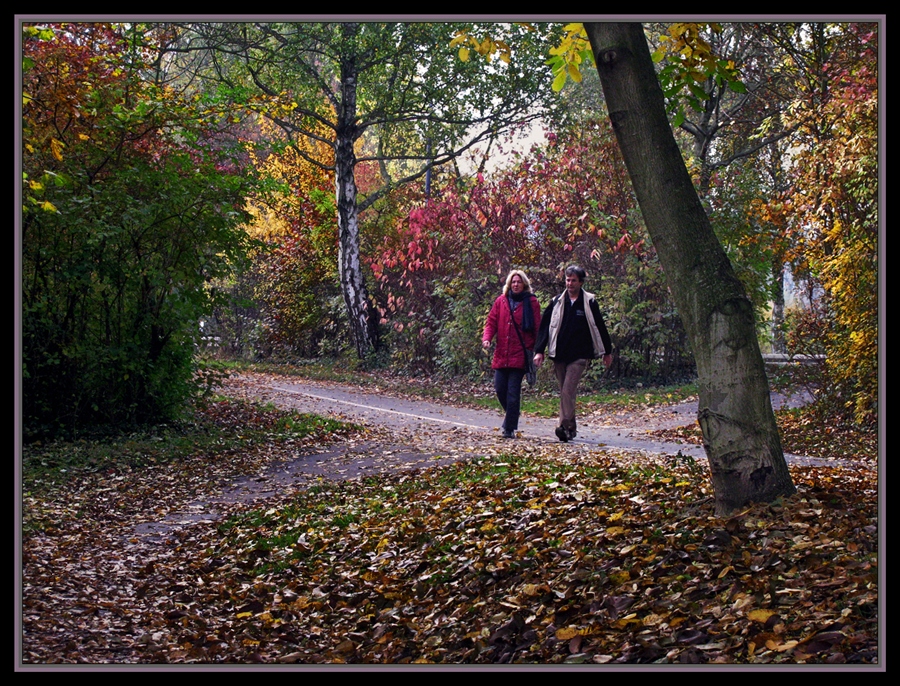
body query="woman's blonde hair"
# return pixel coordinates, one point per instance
(525, 282)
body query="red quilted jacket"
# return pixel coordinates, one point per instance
(508, 352)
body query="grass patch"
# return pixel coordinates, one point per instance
(218, 427)
(546, 403)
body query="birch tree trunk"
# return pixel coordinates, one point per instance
(735, 413)
(353, 286)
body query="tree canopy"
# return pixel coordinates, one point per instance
(396, 89)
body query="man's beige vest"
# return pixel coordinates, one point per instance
(556, 321)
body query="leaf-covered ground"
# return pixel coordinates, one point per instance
(513, 553)
(804, 435)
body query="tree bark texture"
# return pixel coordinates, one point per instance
(735, 412)
(353, 287)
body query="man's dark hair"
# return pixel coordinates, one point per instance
(574, 269)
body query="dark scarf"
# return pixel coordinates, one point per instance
(527, 313)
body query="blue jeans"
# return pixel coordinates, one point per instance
(508, 384)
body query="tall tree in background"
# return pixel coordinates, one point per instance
(398, 84)
(736, 131)
(739, 430)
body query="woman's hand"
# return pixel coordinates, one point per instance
(485, 344)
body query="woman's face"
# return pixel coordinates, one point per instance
(516, 285)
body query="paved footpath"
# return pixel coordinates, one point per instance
(407, 414)
(414, 418)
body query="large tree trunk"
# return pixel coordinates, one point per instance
(363, 327)
(735, 413)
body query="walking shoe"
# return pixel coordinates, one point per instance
(562, 434)
(509, 434)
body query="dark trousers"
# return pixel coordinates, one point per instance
(508, 384)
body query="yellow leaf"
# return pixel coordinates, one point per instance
(464, 54)
(48, 206)
(617, 516)
(241, 615)
(56, 148)
(36, 185)
(460, 37)
(574, 72)
(761, 616)
(678, 27)
(620, 577)
(568, 632)
(559, 81)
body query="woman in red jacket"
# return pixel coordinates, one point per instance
(513, 319)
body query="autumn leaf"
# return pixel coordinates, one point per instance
(761, 616)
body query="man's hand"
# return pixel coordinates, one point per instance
(607, 360)
(538, 359)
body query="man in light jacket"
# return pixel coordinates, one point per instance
(573, 333)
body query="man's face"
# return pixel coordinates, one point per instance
(573, 285)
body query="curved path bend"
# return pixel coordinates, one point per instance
(451, 431)
(408, 415)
